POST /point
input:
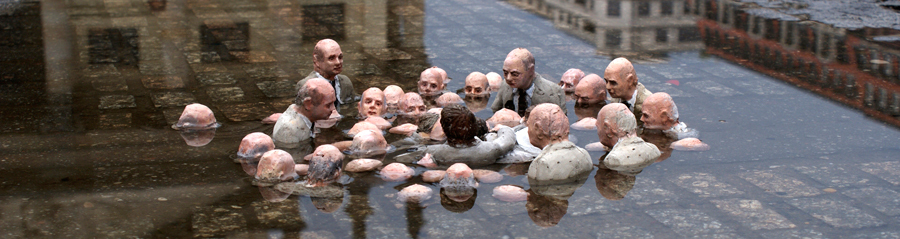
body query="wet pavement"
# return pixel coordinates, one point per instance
(801, 116)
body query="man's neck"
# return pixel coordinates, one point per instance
(303, 112)
(326, 76)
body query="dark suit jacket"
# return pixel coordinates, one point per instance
(544, 92)
(642, 93)
(347, 93)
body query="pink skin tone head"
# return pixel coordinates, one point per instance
(505, 117)
(196, 117)
(443, 74)
(272, 119)
(518, 68)
(494, 80)
(547, 124)
(689, 144)
(487, 176)
(510, 193)
(588, 123)
(362, 126)
(658, 112)
(328, 60)
(590, 91)
(393, 94)
(570, 79)
(412, 104)
(459, 175)
(396, 172)
(319, 102)
(477, 84)
(415, 193)
(448, 99)
(613, 123)
(254, 145)
(427, 161)
(433, 176)
(404, 129)
(430, 82)
(372, 102)
(381, 123)
(275, 166)
(621, 80)
(362, 165)
(325, 165)
(369, 142)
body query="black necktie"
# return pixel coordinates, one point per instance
(523, 103)
(627, 104)
(337, 104)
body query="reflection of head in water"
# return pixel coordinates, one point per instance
(460, 125)
(570, 79)
(372, 103)
(368, 143)
(459, 201)
(254, 145)
(325, 165)
(545, 211)
(590, 91)
(613, 122)
(477, 84)
(476, 102)
(659, 111)
(275, 166)
(327, 204)
(588, 111)
(431, 82)
(547, 124)
(197, 138)
(613, 185)
(412, 104)
(459, 181)
(272, 195)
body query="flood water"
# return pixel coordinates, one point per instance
(801, 117)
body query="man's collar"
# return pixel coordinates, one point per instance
(633, 98)
(320, 76)
(530, 90)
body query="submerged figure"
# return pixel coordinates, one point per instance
(560, 159)
(494, 80)
(590, 91)
(254, 145)
(570, 79)
(477, 84)
(413, 116)
(448, 98)
(314, 101)
(510, 193)
(660, 117)
(328, 63)
(276, 166)
(324, 166)
(459, 182)
(392, 96)
(523, 87)
(505, 117)
(462, 129)
(623, 86)
(396, 172)
(197, 125)
(629, 153)
(431, 82)
(372, 103)
(368, 143)
(415, 193)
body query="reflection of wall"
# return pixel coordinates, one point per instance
(224, 41)
(633, 28)
(829, 61)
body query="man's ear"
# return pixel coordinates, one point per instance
(307, 104)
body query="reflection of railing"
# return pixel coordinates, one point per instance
(819, 58)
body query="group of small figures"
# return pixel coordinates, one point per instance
(437, 129)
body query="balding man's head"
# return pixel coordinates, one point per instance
(518, 68)
(412, 104)
(659, 111)
(477, 84)
(621, 80)
(431, 82)
(328, 59)
(613, 122)
(547, 124)
(372, 102)
(591, 90)
(570, 79)
(315, 99)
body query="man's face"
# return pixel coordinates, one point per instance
(372, 104)
(653, 117)
(568, 82)
(414, 106)
(431, 84)
(324, 109)
(518, 75)
(332, 60)
(476, 86)
(616, 85)
(585, 95)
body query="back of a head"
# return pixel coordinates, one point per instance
(550, 120)
(620, 115)
(623, 66)
(459, 124)
(594, 82)
(312, 90)
(524, 55)
(664, 100)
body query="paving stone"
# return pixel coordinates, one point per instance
(782, 186)
(882, 199)
(795, 233)
(257, 71)
(163, 82)
(727, 72)
(280, 105)
(257, 57)
(646, 79)
(632, 231)
(833, 175)
(247, 111)
(277, 89)
(872, 235)
(226, 94)
(198, 68)
(172, 99)
(156, 68)
(673, 72)
(648, 192)
(668, 88)
(216, 78)
(389, 54)
(171, 115)
(278, 214)
(97, 70)
(689, 222)
(835, 213)
(109, 102)
(753, 215)
(209, 222)
(712, 88)
(705, 185)
(590, 204)
(494, 207)
(889, 171)
(447, 225)
(761, 87)
(114, 120)
(109, 84)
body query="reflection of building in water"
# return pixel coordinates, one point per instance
(630, 28)
(833, 62)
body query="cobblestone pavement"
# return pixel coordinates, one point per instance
(784, 161)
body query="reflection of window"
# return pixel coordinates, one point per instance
(589, 27)
(643, 8)
(613, 8)
(666, 8)
(113, 46)
(583, 3)
(688, 34)
(323, 21)
(687, 7)
(662, 35)
(224, 41)
(613, 38)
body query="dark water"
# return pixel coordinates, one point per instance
(801, 117)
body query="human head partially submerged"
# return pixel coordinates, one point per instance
(431, 82)
(372, 103)
(276, 166)
(325, 165)
(613, 122)
(459, 181)
(547, 124)
(590, 91)
(254, 145)
(570, 79)
(368, 143)
(412, 104)
(659, 112)
(196, 117)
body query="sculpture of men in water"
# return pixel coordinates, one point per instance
(314, 101)
(463, 145)
(623, 86)
(431, 82)
(548, 128)
(523, 87)
(590, 91)
(570, 79)
(372, 103)
(328, 63)
(629, 153)
(663, 128)
(477, 84)
(392, 96)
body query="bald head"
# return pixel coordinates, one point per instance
(431, 82)
(328, 60)
(590, 91)
(570, 79)
(369, 142)
(315, 99)
(449, 98)
(613, 122)
(621, 80)
(442, 73)
(659, 111)
(494, 80)
(518, 68)
(547, 124)
(412, 104)
(477, 84)
(372, 102)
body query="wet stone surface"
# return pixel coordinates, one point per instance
(117, 102)
(794, 233)
(705, 185)
(889, 171)
(172, 99)
(783, 186)
(882, 199)
(835, 213)
(689, 222)
(834, 175)
(226, 94)
(109, 84)
(163, 82)
(646, 192)
(246, 111)
(216, 78)
(753, 214)
(277, 89)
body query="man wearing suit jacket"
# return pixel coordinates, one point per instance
(523, 87)
(623, 86)
(328, 62)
